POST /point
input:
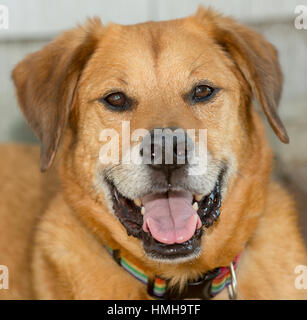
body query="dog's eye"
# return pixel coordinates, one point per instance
(116, 101)
(202, 93)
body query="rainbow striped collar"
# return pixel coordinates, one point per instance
(206, 287)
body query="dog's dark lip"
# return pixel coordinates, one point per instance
(161, 251)
(131, 218)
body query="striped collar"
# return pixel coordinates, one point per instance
(206, 287)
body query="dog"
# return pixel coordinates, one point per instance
(92, 229)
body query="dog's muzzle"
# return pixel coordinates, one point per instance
(170, 223)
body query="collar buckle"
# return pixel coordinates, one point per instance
(201, 289)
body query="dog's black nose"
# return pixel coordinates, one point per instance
(166, 148)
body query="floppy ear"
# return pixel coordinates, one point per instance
(46, 82)
(257, 61)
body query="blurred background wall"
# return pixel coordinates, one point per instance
(33, 23)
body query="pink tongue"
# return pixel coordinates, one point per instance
(170, 217)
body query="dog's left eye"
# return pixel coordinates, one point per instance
(202, 93)
(117, 101)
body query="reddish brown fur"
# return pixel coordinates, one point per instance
(68, 259)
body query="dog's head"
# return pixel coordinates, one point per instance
(154, 88)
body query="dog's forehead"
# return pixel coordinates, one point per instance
(155, 46)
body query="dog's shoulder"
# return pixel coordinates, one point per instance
(19, 169)
(280, 221)
(24, 195)
(275, 249)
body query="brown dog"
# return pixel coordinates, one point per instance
(201, 72)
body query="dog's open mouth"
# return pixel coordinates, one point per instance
(169, 224)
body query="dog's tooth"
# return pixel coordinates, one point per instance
(195, 206)
(198, 197)
(137, 202)
(143, 210)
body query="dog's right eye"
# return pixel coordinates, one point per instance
(117, 101)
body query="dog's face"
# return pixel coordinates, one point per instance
(163, 80)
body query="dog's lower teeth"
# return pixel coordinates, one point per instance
(195, 206)
(198, 197)
(137, 202)
(143, 210)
